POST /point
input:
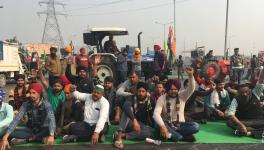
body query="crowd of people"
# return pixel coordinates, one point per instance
(79, 109)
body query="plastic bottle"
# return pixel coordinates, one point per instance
(151, 141)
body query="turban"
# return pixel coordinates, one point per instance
(82, 49)
(171, 82)
(37, 87)
(64, 79)
(157, 47)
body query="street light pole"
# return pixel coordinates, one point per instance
(164, 32)
(226, 29)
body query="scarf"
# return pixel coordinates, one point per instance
(169, 112)
(146, 102)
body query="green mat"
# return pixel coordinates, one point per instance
(212, 132)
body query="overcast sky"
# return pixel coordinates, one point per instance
(201, 21)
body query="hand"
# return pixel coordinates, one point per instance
(73, 87)
(50, 140)
(164, 132)
(97, 59)
(136, 126)
(220, 113)
(95, 138)
(4, 144)
(189, 71)
(213, 86)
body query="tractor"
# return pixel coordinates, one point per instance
(107, 65)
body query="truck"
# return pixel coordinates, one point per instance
(10, 63)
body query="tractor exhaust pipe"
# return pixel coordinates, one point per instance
(139, 41)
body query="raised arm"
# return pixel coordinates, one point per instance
(43, 80)
(185, 94)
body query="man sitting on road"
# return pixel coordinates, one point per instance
(169, 111)
(246, 110)
(96, 117)
(137, 112)
(6, 114)
(41, 121)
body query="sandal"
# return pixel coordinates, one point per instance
(119, 144)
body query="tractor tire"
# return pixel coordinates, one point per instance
(211, 65)
(2, 80)
(104, 70)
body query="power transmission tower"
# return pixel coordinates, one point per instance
(52, 33)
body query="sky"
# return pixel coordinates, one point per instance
(200, 22)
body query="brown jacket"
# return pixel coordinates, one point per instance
(53, 66)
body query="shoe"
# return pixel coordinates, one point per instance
(257, 134)
(102, 138)
(69, 138)
(15, 141)
(189, 138)
(239, 133)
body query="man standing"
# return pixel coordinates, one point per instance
(160, 61)
(6, 114)
(53, 65)
(40, 125)
(137, 112)
(246, 110)
(180, 70)
(20, 94)
(122, 66)
(169, 111)
(83, 59)
(253, 66)
(96, 116)
(237, 65)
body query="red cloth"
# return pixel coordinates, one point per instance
(82, 49)
(157, 47)
(82, 60)
(37, 87)
(65, 79)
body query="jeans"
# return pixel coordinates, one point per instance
(253, 124)
(125, 122)
(237, 73)
(2, 131)
(26, 133)
(185, 129)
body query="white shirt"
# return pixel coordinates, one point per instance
(95, 112)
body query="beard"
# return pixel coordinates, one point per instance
(244, 99)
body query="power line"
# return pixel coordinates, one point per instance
(131, 10)
(126, 11)
(99, 5)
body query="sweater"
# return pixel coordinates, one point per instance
(160, 111)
